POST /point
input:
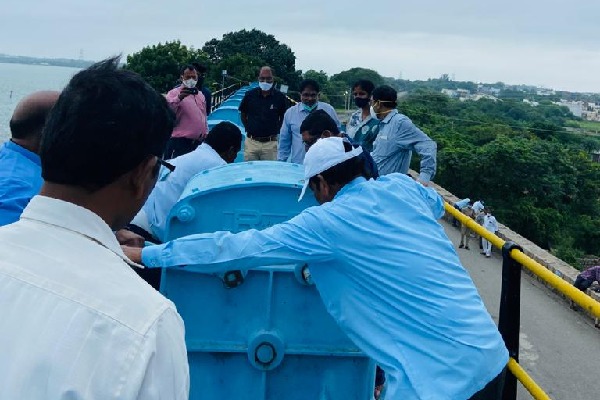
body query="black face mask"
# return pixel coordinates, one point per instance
(361, 102)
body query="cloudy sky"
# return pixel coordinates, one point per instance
(548, 43)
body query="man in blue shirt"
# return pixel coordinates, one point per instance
(385, 270)
(20, 170)
(398, 137)
(290, 140)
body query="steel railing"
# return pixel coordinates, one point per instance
(513, 259)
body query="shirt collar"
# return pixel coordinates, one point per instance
(30, 155)
(389, 116)
(348, 186)
(74, 218)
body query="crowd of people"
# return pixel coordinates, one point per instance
(96, 169)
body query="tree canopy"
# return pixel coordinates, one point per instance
(260, 47)
(159, 64)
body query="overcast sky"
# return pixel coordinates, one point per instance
(547, 43)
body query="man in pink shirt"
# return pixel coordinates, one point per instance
(189, 106)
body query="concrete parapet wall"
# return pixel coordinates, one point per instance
(545, 258)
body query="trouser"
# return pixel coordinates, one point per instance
(465, 235)
(454, 220)
(177, 146)
(255, 150)
(582, 283)
(493, 390)
(487, 247)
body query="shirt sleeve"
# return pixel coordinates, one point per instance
(166, 375)
(409, 136)
(303, 239)
(284, 147)
(173, 99)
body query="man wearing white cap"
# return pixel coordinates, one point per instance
(385, 269)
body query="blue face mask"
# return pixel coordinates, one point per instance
(309, 108)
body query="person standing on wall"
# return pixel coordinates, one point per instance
(189, 106)
(262, 111)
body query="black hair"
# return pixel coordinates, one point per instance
(30, 126)
(105, 123)
(224, 136)
(344, 172)
(317, 122)
(387, 94)
(365, 85)
(186, 67)
(309, 83)
(198, 67)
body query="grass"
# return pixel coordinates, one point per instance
(589, 125)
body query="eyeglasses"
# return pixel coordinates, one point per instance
(165, 164)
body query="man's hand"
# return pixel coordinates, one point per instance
(185, 92)
(133, 253)
(126, 237)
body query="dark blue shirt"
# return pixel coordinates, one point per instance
(20, 180)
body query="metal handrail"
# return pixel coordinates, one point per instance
(538, 269)
(509, 321)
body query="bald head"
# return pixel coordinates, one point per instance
(30, 115)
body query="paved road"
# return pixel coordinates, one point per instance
(559, 348)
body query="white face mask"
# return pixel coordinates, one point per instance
(190, 83)
(265, 86)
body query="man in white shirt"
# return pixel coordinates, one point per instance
(491, 225)
(220, 147)
(76, 321)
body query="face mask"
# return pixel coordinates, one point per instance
(265, 86)
(190, 83)
(309, 108)
(361, 102)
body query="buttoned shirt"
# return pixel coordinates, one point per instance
(395, 142)
(76, 322)
(264, 113)
(462, 203)
(362, 131)
(290, 138)
(403, 298)
(153, 215)
(20, 180)
(190, 114)
(478, 206)
(490, 223)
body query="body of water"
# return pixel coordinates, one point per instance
(18, 80)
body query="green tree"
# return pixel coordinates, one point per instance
(353, 74)
(320, 76)
(258, 45)
(240, 66)
(159, 64)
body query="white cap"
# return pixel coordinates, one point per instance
(324, 154)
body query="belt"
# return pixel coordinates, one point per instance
(263, 139)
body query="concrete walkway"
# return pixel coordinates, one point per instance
(559, 348)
